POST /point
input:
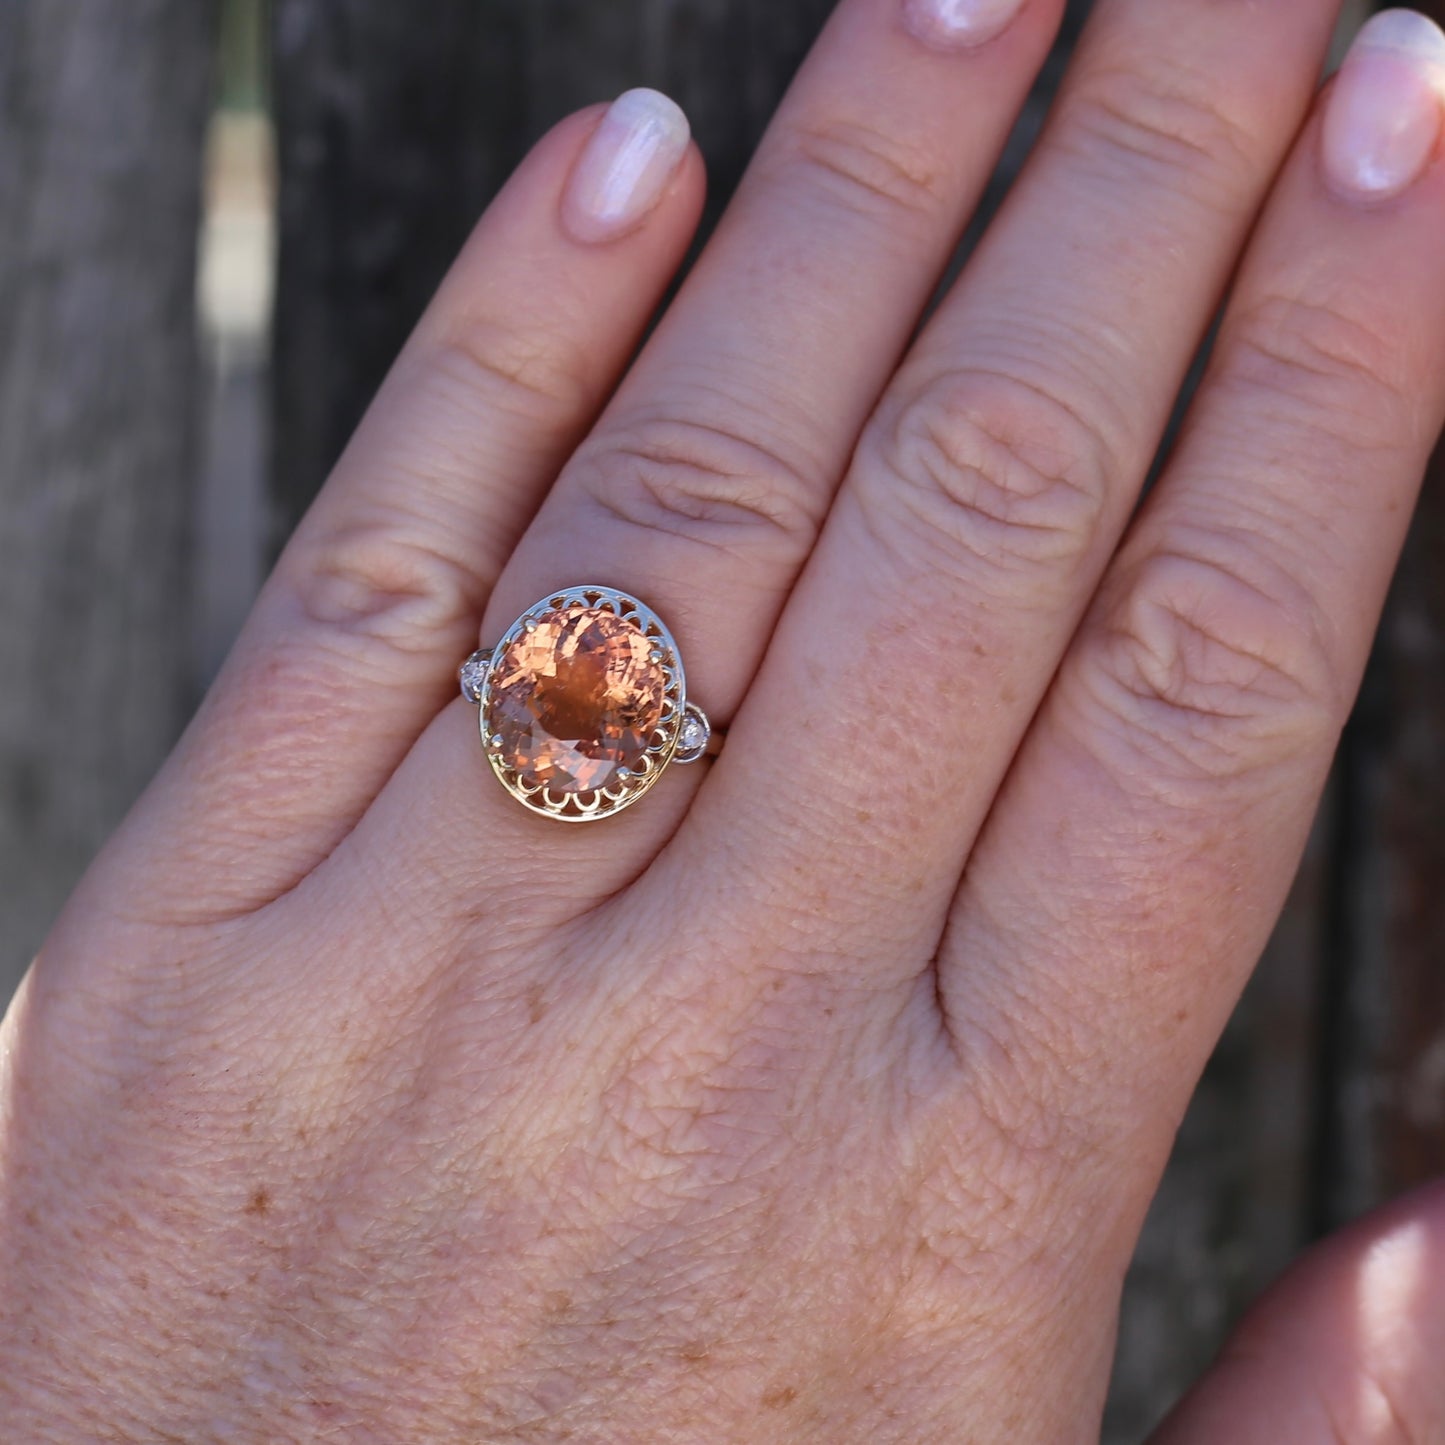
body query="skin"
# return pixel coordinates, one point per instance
(348, 1100)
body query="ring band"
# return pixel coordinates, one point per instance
(583, 704)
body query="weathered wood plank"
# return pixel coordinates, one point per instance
(1385, 1079)
(1411, 1058)
(1235, 1203)
(102, 118)
(393, 136)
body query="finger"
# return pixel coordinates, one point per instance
(1346, 1350)
(1134, 866)
(701, 489)
(991, 487)
(353, 645)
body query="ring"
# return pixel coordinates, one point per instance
(583, 704)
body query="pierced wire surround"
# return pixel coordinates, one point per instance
(682, 734)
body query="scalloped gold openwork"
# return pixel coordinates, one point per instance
(583, 704)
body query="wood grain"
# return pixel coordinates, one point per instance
(1384, 1088)
(102, 116)
(394, 135)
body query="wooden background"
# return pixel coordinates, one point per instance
(129, 539)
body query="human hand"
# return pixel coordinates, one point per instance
(350, 1100)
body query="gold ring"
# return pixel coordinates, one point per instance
(583, 704)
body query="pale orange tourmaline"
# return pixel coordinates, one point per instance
(576, 700)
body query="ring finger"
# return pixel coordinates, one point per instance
(352, 646)
(703, 486)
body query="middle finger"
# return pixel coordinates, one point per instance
(992, 486)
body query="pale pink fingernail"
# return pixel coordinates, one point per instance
(626, 167)
(959, 22)
(1383, 121)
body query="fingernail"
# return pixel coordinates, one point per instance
(626, 166)
(959, 23)
(1384, 115)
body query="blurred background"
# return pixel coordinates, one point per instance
(219, 219)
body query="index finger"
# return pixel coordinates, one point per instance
(1138, 857)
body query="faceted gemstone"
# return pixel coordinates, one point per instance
(576, 699)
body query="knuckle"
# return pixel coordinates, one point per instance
(1320, 363)
(863, 170)
(706, 485)
(987, 472)
(530, 372)
(386, 580)
(1169, 122)
(1219, 662)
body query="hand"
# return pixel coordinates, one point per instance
(349, 1100)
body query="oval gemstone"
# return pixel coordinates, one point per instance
(576, 700)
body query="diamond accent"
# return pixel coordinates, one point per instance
(693, 737)
(473, 675)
